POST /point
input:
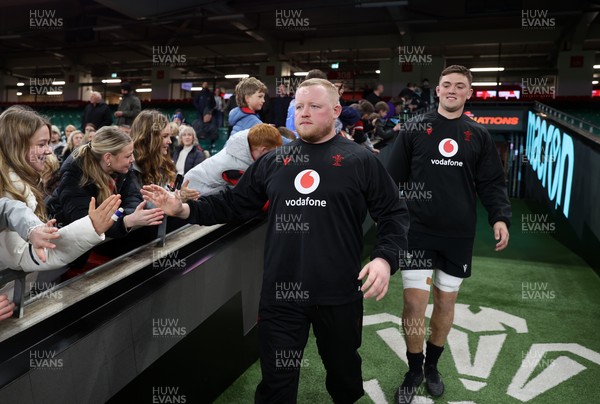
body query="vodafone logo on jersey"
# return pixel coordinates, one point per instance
(307, 181)
(448, 147)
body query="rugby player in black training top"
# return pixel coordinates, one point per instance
(441, 161)
(320, 188)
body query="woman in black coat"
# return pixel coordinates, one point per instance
(99, 169)
(189, 153)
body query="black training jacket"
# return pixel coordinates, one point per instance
(319, 196)
(441, 165)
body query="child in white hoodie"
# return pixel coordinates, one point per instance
(224, 169)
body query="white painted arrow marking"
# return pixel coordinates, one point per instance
(488, 349)
(561, 369)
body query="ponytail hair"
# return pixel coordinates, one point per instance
(108, 139)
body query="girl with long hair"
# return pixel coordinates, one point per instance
(151, 139)
(100, 169)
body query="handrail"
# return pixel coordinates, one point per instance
(566, 118)
(9, 275)
(20, 300)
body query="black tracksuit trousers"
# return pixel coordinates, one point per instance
(283, 333)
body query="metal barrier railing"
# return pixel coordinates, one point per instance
(566, 118)
(8, 275)
(20, 298)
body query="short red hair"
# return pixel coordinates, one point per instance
(265, 135)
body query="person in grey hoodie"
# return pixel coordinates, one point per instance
(225, 168)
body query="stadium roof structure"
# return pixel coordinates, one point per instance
(222, 37)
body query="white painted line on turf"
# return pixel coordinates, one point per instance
(373, 390)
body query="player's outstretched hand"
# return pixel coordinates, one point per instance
(171, 205)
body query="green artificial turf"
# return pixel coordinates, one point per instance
(536, 279)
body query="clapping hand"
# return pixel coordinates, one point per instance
(144, 217)
(101, 217)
